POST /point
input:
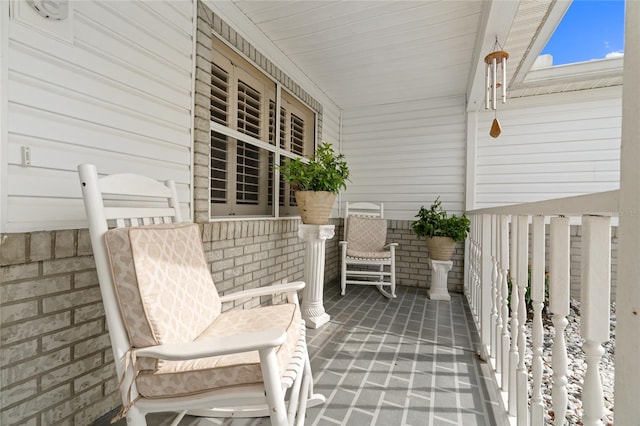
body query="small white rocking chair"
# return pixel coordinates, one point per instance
(366, 257)
(174, 349)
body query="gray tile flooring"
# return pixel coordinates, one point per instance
(406, 361)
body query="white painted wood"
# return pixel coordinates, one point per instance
(559, 307)
(494, 27)
(472, 144)
(514, 302)
(600, 203)
(119, 94)
(537, 299)
(270, 393)
(595, 288)
(522, 282)
(430, 162)
(550, 147)
(365, 43)
(494, 286)
(627, 385)
(486, 284)
(4, 70)
(505, 336)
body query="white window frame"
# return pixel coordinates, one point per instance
(277, 151)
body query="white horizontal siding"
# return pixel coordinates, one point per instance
(118, 94)
(406, 155)
(551, 146)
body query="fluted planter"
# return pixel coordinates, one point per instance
(315, 206)
(441, 248)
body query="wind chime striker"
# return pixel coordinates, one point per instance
(494, 60)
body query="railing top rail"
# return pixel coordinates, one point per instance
(597, 204)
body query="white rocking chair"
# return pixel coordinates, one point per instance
(174, 350)
(366, 257)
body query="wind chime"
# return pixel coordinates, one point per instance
(495, 80)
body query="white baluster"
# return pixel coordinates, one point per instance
(504, 264)
(537, 300)
(523, 282)
(559, 306)
(473, 265)
(476, 290)
(595, 288)
(513, 351)
(494, 286)
(472, 262)
(498, 298)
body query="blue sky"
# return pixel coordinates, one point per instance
(590, 29)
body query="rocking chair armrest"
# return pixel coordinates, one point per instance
(343, 243)
(264, 291)
(237, 343)
(391, 245)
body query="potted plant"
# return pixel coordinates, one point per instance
(441, 231)
(316, 182)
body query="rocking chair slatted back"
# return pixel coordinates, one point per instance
(148, 202)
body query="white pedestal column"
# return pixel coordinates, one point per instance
(314, 237)
(439, 273)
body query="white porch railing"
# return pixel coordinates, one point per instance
(498, 249)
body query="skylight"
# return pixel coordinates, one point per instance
(590, 30)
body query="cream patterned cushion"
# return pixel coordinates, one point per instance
(151, 266)
(200, 375)
(166, 295)
(175, 283)
(367, 237)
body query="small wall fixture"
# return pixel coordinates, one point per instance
(55, 10)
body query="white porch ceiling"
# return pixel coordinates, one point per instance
(363, 53)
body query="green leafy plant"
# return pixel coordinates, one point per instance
(326, 171)
(434, 222)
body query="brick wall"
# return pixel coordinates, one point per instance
(56, 364)
(412, 259)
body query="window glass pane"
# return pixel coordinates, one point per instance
(297, 134)
(248, 174)
(219, 95)
(219, 150)
(248, 110)
(287, 198)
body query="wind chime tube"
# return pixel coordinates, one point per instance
(494, 67)
(488, 97)
(504, 80)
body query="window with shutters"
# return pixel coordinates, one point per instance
(250, 136)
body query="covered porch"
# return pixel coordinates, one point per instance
(405, 361)
(106, 89)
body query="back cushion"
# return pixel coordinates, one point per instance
(164, 286)
(174, 281)
(366, 234)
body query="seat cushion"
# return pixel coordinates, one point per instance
(164, 286)
(366, 237)
(201, 375)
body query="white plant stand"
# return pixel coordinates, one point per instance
(439, 274)
(312, 307)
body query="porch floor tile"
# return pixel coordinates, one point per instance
(406, 361)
